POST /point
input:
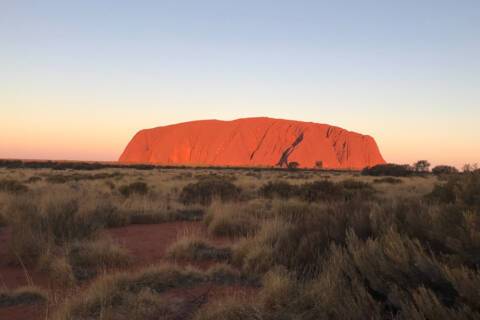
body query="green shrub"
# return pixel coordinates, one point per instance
(205, 190)
(135, 188)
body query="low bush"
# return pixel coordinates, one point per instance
(389, 169)
(280, 189)
(389, 180)
(108, 215)
(56, 178)
(461, 189)
(351, 184)
(134, 188)
(22, 295)
(196, 249)
(87, 258)
(75, 177)
(12, 186)
(442, 169)
(207, 189)
(322, 190)
(57, 268)
(33, 179)
(225, 274)
(231, 221)
(390, 277)
(153, 217)
(39, 226)
(298, 235)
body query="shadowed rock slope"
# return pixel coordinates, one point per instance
(253, 142)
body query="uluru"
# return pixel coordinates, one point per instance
(253, 142)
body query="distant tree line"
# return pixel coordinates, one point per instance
(420, 167)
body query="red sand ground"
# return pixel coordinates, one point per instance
(146, 243)
(23, 312)
(253, 142)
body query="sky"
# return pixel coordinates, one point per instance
(79, 78)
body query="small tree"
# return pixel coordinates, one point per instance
(443, 169)
(293, 165)
(421, 166)
(319, 164)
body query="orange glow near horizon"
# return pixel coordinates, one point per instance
(107, 142)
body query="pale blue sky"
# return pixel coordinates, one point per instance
(78, 78)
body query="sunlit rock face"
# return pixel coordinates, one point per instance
(262, 142)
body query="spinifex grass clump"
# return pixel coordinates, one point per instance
(87, 258)
(135, 188)
(232, 219)
(39, 225)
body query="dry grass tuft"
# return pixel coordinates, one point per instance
(192, 247)
(22, 295)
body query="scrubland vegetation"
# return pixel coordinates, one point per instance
(392, 242)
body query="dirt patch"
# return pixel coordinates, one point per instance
(149, 243)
